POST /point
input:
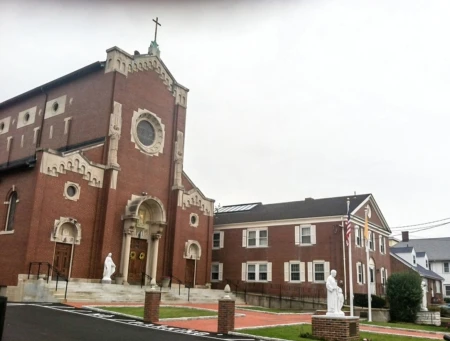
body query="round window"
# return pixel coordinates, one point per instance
(146, 133)
(193, 219)
(71, 191)
(55, 106)
(26, 117)
(2, 126)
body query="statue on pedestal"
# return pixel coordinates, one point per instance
(423, 304)
(108, 269)
(334, 296)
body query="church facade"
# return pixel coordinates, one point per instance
(92, 163)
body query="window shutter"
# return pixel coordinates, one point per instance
(380, 242)
(244, 238)
(357, 272)
(244, 272)
(374, 241)
(385, 274)
(286, 271)
(220, 271)
(269, 272)
(221, 239)
(327, 269)
(310, 279)
(356, 235)
(364, 273)
(381, 275)
(297, 235)
(302, 271)
(313, 234)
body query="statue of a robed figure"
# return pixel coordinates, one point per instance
(335, 298)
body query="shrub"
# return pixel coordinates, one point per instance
(404, 293)
(445, 311)
(447, 299)
(360, 300)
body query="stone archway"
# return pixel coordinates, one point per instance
(144, 224)
(192, 254)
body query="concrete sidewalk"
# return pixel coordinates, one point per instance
(253, 319)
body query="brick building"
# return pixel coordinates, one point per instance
(92, 163)
(291, 247)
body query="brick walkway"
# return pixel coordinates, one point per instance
(260, 319)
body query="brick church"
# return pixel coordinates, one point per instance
(92, 163)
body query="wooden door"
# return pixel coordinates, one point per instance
(138, 260)
(61, 260)
(189, 273)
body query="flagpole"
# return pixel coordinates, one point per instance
(350, 264)
(343, 253)
(369, 294)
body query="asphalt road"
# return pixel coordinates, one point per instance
(55, 322)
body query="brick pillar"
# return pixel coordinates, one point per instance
(225, 322)
(151, 306)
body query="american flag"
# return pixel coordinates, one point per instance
(348, 228)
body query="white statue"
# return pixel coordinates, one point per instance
(108, 269)
(340, 299)
(333, 304)
(423, 305)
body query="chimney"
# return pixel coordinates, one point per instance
(405, 236)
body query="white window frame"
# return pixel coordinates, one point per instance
(438, 285)
(312, 271)
(246, 234)
(383, 276)
(382, 242)
(358, 236)
(448, 267)
(257, 272)
(220, 233)
(219, 271)
(414, 259)
(372, 246)
(10, 215)
(447, 290)
(288, 271)
(360, 272)
(299, 233)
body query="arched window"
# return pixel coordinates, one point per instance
(12, 201)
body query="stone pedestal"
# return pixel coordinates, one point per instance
(151, 306)
(343, 328)
(225, 322)
(106, 281)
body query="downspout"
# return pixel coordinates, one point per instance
(169, 238)
(98, 226)
(39, 138)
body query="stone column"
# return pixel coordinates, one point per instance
(155, 238)
(225, 321)
(126, 256)
(148, 265)
(151, 306)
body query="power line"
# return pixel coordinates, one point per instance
(430, 222)
(424, 228)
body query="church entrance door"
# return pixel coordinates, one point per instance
(62, 259)
(189, 273)
(138, 259)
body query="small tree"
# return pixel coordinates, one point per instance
(404, 293)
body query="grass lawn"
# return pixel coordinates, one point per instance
(407, 326)
(164, 312)
(270, 310)
(293, 333)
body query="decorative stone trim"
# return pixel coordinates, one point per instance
(193, 220)
(125, 63)
(157, 146)
(72, 191)
(4, 125)
(195, 198)
(53, 164)
(62, 234)
(26, 117)
(189, 246)
(55, 107)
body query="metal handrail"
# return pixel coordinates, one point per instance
(55, 270)
(230, 282)
(179, 284)
(143, 277)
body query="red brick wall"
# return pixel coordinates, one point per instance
(282, 249)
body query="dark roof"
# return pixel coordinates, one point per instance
(436, 248)
(428, 273)
(420, 254)
(62, 80)
(401, 249)
(308, 208)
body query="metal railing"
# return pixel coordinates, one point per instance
(179, 283)
(144, 276)
(54, 270)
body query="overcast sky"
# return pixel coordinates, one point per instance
(288, 99)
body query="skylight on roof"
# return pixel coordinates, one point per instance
(236, 208)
